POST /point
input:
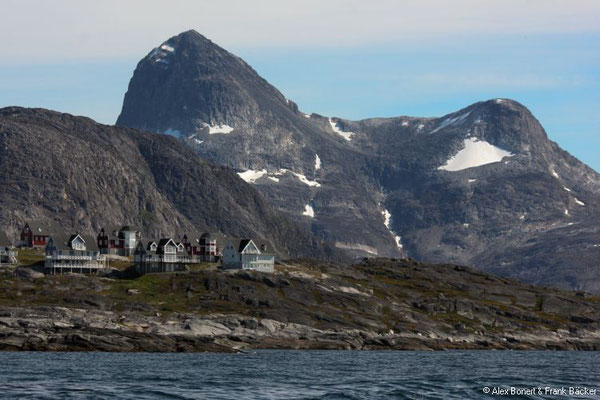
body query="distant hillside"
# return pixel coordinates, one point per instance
(84, 175)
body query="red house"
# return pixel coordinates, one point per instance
(206, 247)
(35, 233)
(118, 240)
(211, 246)
(190, 243)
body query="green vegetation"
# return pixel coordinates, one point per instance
(30, 257)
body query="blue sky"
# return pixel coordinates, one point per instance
(428, 66)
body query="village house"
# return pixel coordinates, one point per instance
(8, 254)
(35, 234)
(190, 243)
(72, 253)
(205, 247)
(120, 241)
(166, 255)
(211, 246)
(246, 254)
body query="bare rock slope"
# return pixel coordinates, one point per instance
(84, 175)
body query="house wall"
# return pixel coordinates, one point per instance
(130, 240)
(249, 259)
(79, 261)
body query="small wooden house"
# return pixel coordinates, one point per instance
(117, 240)
(166, 255)
(246, 254)
(211, 246)
(35, 233)
(205, 247)
(72, 253)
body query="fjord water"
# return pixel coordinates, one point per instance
(280, 374)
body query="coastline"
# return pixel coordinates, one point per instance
(64, 329)
(373, 305)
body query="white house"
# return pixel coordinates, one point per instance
(166, 255)
(72, 253)
(245, 254)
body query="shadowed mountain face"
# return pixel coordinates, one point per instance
(86, 175)
(483, 186)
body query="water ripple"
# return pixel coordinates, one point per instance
(271, 374)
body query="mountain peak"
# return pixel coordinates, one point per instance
(189, 83)
(191, 38)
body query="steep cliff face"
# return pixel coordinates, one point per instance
(482, 186)
(86, 175)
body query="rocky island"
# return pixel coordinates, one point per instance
(304, 304)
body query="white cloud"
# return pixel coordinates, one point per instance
(73, 29)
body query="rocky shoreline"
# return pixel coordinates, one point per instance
(377, 304)
(64, 329)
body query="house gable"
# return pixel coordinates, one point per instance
(77, 243)
(250, 248)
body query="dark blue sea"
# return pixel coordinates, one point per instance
(280, 374)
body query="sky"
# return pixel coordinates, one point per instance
(349, 59)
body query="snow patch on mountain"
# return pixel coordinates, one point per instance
(451, 121)
(387, 219)
(356, 246)
(309, 211)
(252, 176)
(475, 153)
(305, 180)
(159, 54)
(317, 162)
(301, 177)
(346, 135)
(567, 189)
(214, 129)
(581, 203)
(554, 174)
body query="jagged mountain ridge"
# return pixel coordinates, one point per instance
(373, 181)
(84, 175)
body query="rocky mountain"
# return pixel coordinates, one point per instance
(215, 102)
(84, 175)
(483, 186)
